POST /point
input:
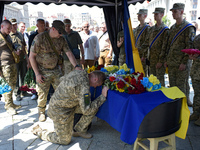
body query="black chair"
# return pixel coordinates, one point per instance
(160, 125)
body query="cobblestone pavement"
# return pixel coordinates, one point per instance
(15, 132)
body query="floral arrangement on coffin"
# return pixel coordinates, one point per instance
(151, 83)
(94, 68)
(122, 79)
(29, 83)
(4, 87)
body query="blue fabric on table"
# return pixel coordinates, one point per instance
(125, 112)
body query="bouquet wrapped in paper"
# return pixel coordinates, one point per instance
(4, 87)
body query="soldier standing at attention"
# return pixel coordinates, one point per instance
(181, 36)
(19, 43)
(156, 44)
(8, 66)
(195, 75)
(73, 96)
(140, 35)
(44, 60)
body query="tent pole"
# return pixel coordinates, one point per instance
(116, 18)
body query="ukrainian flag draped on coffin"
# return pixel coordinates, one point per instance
(132, 56)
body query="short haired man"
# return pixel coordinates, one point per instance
(156, 45)
(19, 43)
(75, 42)
(22, 27)
(8, 69)
(73, 96)
(90, 45)
(105, 47)
(181, 36)
(44, 59)
(140, 35)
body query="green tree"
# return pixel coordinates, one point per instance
(166, 21)
(31, 28)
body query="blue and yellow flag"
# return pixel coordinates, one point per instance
(132, 56)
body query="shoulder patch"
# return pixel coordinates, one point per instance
(86, 99)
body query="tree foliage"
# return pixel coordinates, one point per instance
(31, 28)
(166, 21)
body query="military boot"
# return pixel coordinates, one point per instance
(84, 135)
(194, 117)
(10, 110)
(197, 122)
(37, 130)
(42, 116)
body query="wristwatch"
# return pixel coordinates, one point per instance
(76, 66)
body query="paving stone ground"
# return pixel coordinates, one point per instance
(15, 132)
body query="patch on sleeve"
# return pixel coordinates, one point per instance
(32, 43)
(86, 99)
(193, 35)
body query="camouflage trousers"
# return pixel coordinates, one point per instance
(63, 131)
(9, 73)
(159, 73)
(103, 60)
(52, 77)
(196, 99)
(122, 59)
(179, 78)
(68, 67)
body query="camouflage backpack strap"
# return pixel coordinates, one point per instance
(156, 37)
(181, 31)
(15, 56)
(140, 34)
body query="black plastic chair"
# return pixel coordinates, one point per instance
(162, 121)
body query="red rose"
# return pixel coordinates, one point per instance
(120, 84)
(140, 77)
(99, 67)
(112, 78)
(126, 79)
(133, 82)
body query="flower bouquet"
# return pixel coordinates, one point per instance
(123, 79)
(29, 82)
(4, 87)
(151, 83)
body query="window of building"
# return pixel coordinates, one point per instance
(193, 15)
(194, 4)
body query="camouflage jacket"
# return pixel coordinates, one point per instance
(184, 41)
(195, 71)
(73, 92)
(141, 38)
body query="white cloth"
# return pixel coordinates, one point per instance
(104, 42)
(90, 45)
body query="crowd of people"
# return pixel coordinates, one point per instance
(58, 56)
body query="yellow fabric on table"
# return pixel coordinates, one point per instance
(173, 93)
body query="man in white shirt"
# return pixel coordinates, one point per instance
(90, 45)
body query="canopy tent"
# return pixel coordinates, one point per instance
(113, 12)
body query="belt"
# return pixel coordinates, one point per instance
(105, 50)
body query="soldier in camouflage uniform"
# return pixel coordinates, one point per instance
(120, 44)
(73, 96)
(8, 67)
(157, 49)
(44, 61)
(177, 61)
(140, 34)
(23, 65)
(195, 75)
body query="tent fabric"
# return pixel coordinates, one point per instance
(112, 11)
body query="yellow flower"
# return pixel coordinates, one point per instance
(124, 66)
(111, 68)
(93, 68)
(120, 90)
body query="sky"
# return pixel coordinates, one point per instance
(53, 9)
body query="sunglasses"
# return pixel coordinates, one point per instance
(86, 27)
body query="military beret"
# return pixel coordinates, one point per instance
(159, 10)
(60, 26)
(143, 11)
(178, 6)
(13, 21)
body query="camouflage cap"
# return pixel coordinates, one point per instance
(143, 11)
(59, 25)
(13, 21)
(67, 21)
(178, 6)
(159, 10)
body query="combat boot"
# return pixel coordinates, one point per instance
(42, 116)
(84, 135)
(194, 117)
(37, 130)
(10, 110)
(197, 122)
